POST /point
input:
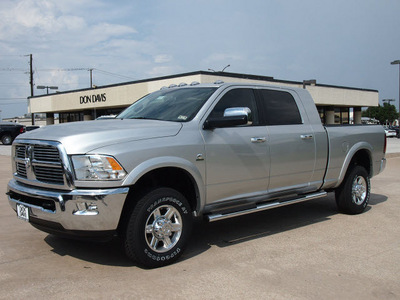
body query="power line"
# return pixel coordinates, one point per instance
(13, 69)
(63, 70)
(113, 74)
(11, 103)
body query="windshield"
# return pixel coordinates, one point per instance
(178, 105)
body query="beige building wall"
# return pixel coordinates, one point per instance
(125, 94)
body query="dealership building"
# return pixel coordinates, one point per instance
(336, 104)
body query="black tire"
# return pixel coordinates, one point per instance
(353, 195)
(6, 139)
(159, 228)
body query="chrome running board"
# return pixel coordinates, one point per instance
(264, 206)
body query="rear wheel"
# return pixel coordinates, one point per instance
(6, 139)
(158, 229)
(353, 195)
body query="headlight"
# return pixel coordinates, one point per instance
(97, 167)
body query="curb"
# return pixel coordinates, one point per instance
(392, 155)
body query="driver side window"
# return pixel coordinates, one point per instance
(237, 98)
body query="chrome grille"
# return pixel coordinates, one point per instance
(21, 169)
(50, 175)
(46, 153)
(20, 151)
(39, 163)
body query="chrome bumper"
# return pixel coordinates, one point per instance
(76, 210)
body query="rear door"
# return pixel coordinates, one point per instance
(291, 141)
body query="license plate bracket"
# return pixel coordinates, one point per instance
(23, 212)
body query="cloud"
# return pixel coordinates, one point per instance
(162, 58)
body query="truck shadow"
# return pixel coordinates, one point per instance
(221, 234)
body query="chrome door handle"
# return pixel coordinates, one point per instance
(306, 136)
(258, 139)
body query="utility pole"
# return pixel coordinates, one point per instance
(31, 83)
(91, 82)
(397, 62)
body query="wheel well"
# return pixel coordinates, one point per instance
(174, 178)
(5, 133)
(362, 158)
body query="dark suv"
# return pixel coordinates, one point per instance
(9, 131)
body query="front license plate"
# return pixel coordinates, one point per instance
(23, 212)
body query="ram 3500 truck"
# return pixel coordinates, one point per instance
(214, 151)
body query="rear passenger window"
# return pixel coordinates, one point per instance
(280, 108)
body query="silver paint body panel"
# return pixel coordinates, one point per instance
(240, 163)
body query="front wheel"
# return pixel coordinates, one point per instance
(159, 228)
(353, 195)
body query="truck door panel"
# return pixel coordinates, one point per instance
(291, 141)
(237, 160)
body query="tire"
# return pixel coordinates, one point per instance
(158, 229)
(353, 195)
(6, 139)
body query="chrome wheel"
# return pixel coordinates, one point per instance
(359, 190)
(163, 228)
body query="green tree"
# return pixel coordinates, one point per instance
(385, 114)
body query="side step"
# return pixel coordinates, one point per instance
(264, 206)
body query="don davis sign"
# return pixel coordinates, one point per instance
(93, 98)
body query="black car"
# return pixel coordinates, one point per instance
(9, 131)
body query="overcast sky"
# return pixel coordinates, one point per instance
(341, 42)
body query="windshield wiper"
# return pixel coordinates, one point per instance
(144, 118)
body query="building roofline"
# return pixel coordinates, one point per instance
(226, 74)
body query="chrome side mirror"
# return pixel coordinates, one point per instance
(239, 112)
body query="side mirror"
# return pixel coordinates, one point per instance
(234, 116)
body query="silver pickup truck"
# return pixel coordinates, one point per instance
(214, 151)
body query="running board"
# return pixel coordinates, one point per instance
(264, 206)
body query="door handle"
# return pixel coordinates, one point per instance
(306, 136)
(258, 139)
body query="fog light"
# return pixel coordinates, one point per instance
(85, 209)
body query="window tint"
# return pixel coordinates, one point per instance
(176, 104)
(280, 108)
(237, 98)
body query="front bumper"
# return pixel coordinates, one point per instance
(81, 210)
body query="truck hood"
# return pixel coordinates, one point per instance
(83, 137)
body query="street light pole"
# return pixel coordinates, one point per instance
(397, 62)
(42, 87)
(31, 83)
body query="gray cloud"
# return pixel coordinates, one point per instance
(348, 43)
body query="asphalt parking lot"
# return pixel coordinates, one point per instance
(303, 251)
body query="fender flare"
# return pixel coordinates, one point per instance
(169, 162)
(350, 155)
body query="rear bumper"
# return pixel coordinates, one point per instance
(73, 212)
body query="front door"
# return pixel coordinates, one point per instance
(237, 160)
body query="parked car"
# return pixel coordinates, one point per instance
(214, 151)
(9, 131)
(396, 128)
(390, 132)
